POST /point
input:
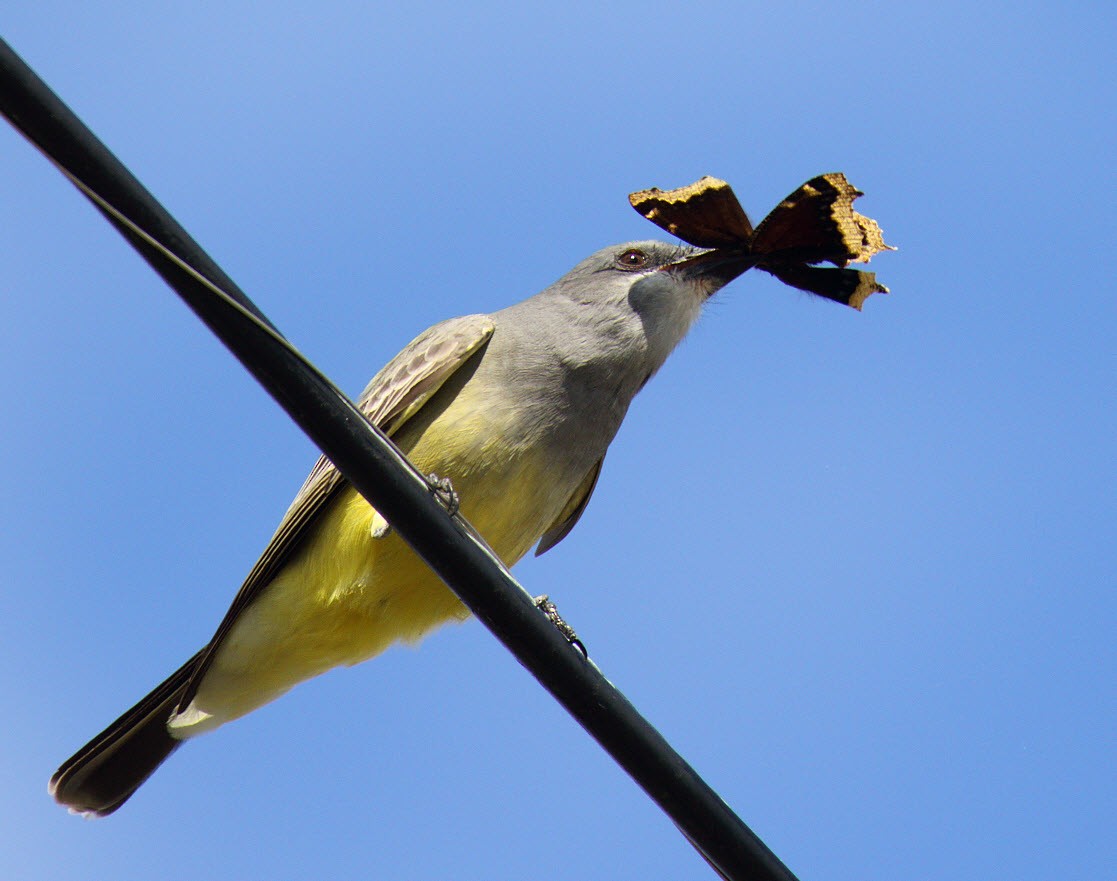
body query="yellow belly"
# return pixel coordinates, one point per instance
(347, 596)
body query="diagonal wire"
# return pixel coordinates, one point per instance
(384, 477)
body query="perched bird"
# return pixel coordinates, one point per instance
(516, 408)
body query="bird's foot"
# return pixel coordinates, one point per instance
(443, 490)
(544, 604)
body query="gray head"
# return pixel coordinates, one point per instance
(641, 293)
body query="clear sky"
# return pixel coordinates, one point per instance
(857, 568)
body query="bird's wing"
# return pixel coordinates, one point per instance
(393, 396)
(571, 512)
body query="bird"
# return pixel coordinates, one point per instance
(516, 408)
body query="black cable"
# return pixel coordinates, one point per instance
(383, 476)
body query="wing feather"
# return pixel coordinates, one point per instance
(565, 521)
(392, 397)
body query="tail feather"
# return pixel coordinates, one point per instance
(104, 773)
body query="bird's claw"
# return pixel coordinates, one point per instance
(544, 604)
(443, 490)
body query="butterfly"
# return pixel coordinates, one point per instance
(815, 224)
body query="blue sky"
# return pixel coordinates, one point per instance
(857, 568)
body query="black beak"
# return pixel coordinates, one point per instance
(716, 266)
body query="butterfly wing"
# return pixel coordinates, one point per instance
(817, 223)
(705, 213)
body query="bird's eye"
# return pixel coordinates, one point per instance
(633, 258)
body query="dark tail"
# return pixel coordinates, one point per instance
(102, 775)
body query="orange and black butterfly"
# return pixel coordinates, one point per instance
(815, 224)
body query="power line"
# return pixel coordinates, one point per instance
(384, 477)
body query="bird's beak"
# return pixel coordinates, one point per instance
(714, 268)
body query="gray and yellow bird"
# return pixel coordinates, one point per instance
(517, 408)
